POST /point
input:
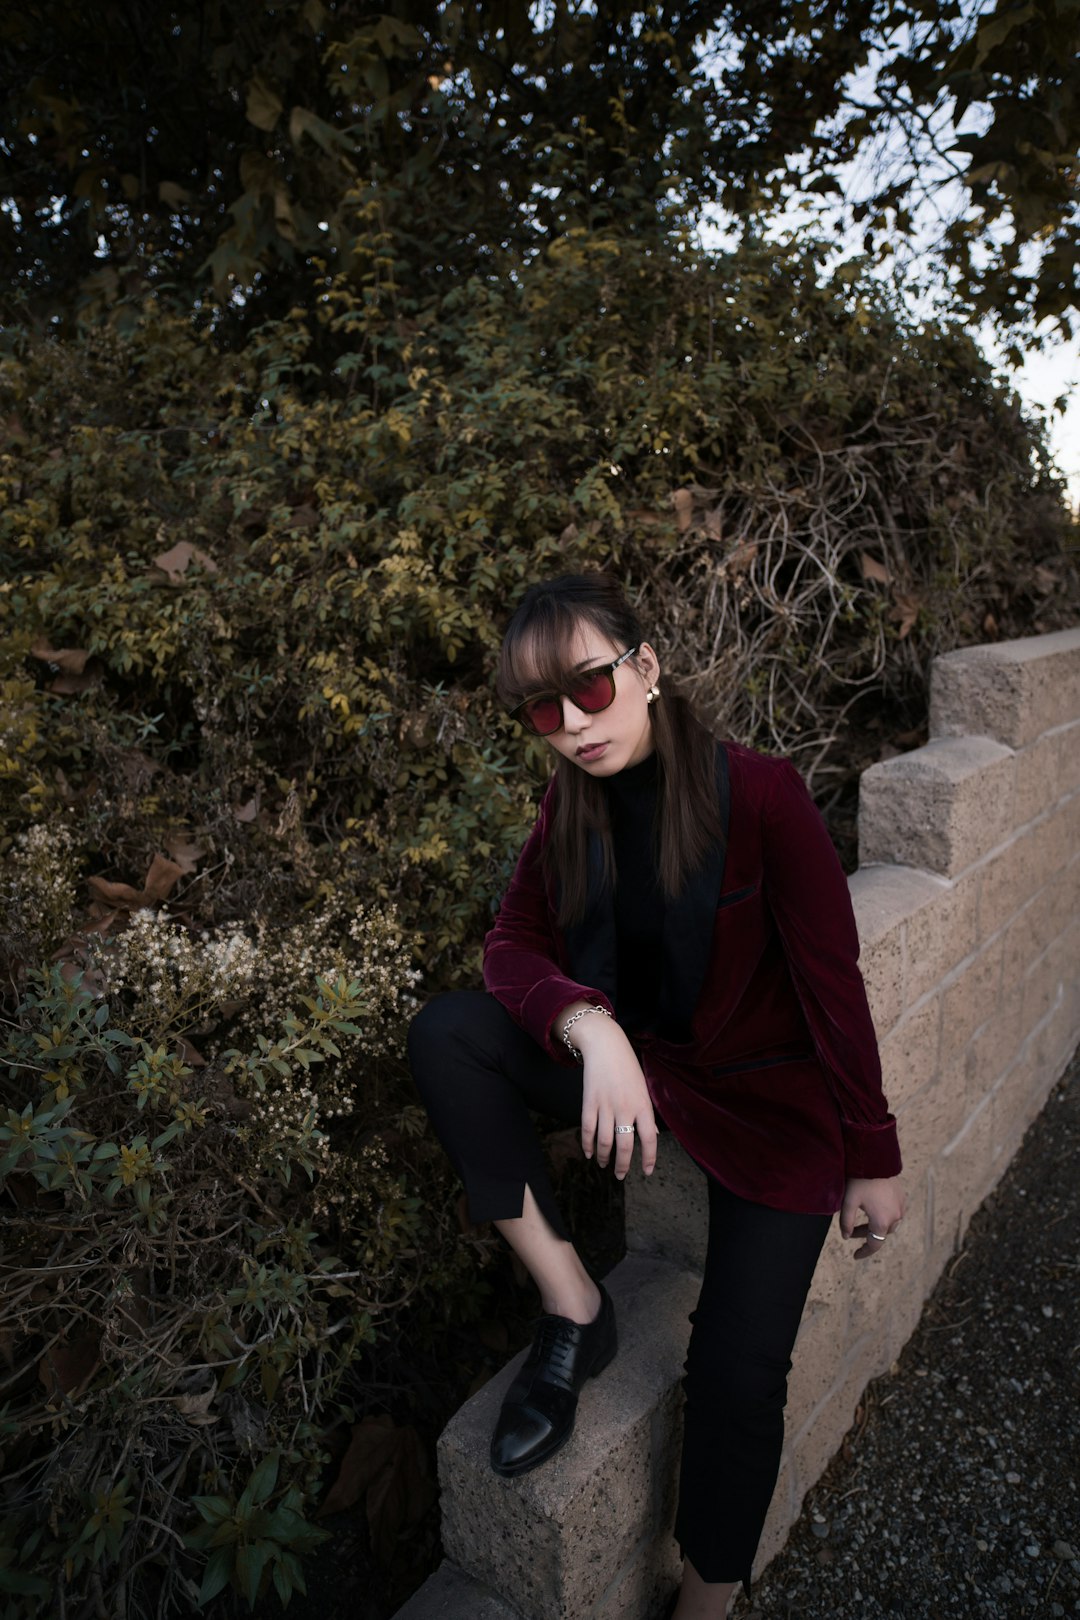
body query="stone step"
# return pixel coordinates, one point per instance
(450, 1594)
(667, 1213)
(589, 1532)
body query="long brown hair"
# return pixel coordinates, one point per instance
(536, 657)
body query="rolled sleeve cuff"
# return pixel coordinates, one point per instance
(542, 1006)
(871, 1151)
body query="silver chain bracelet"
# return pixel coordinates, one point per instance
(575, 1054)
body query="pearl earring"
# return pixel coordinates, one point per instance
(653, 692)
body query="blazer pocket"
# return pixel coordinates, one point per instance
(800, 1055)
(736, 895)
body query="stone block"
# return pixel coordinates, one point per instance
(813, 1358)
(1065, 891)
(450, 1594)
(1038, 776)
(1011, 691)
(1044, 983)
(830, 1287)
(885, 898)
(894, 1273)
(558, 1537)
(1027, 935)
(970, 997)
(643, 1585)
(930, 1120)
(783, 1511)
(962, 1178)
(940, 807)
(910, 1053)
(820, 1437)
(994, 1047)
(667, 1213)
(1009, 879)
(1057, 1039)
(1017, 1100)
(941, 935)
(1068, 763)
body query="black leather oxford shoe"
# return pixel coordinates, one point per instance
(537, 1416)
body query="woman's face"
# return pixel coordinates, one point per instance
(622, 733)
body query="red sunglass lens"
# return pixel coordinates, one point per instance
(594, 695)
(543, 714)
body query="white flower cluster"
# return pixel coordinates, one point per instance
(38, 884)
(176, 977)
(293, 957)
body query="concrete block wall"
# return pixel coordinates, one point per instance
(967, 899)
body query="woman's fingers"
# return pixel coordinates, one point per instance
(588, 1129)
(624, 1148)
(605, 1135)
(647, 1139)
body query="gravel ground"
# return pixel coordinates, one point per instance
(957, 1494)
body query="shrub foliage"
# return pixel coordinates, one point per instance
(255, 799)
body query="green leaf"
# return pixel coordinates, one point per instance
(219, 1567)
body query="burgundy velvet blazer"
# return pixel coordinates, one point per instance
(776, 1089)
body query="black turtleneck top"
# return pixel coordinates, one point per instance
(639, 902)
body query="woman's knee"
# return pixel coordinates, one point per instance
(742, 1382)
(435, 1031)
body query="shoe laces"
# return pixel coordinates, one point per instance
(556, 1337)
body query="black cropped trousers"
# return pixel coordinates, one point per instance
(479, 1075)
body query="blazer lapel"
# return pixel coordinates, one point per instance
(687, 935)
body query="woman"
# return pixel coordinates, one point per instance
(677, 940)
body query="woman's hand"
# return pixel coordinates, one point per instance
(613, 1093)
(883, 1201)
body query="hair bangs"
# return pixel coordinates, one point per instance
(537, 654)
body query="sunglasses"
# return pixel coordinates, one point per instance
(592, 691)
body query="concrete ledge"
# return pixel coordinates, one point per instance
(450, 1594)
(941, 807)
(667, 1213)
(564, 1539)
(1011, 691)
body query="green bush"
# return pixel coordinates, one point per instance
(256, 799)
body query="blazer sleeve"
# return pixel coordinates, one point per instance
(521, 967)
(810, 901)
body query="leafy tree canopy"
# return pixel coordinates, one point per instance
(207, 146)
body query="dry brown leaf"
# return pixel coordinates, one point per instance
(67, 684)
(369, 1451)
(714, 526)
(305, 516)
(138, 768)
(872, 569)
(196, 1408)
(71, 660)
(400, 1495)
(118, 894)
(66, 1369)
(904, 611)
(739, 560)
(247, 812)
(683, 502)
(175, 562)
(162, 877)
(186, 854)
(190, 1054)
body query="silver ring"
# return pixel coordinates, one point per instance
(880, 1236)
(622, 1129)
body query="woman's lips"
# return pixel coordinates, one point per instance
(593, 751)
